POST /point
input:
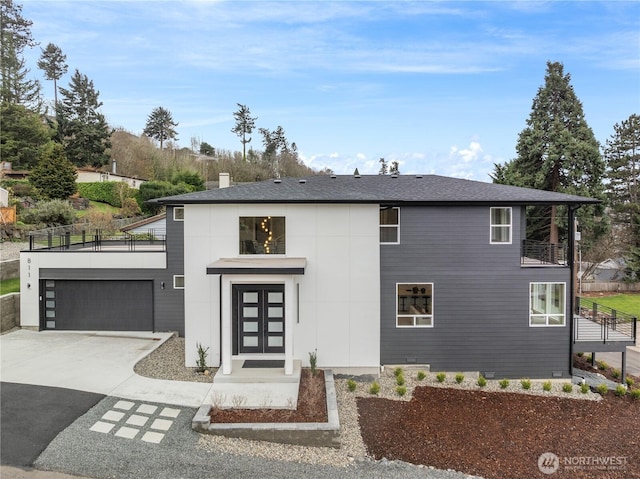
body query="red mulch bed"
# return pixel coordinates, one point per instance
(501, 435)
(312, 406)
(581, 362)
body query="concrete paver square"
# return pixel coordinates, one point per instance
(146, 409)
(126, 405)
(161, 424)
(154, 437)
(103, 427)
(170, 412)
(137, 420)
(113, 416)
(127, 432)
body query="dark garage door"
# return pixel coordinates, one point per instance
(97, 305)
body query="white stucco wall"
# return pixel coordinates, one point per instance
(32, 261)
(339, 292)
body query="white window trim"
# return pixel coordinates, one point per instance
(396, 226)
(546, 315)
(510, 225)
(176, 276)
(432, 315)
(176, 208)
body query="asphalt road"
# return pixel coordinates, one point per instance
(32, 416)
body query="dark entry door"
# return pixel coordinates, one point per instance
(258, 318)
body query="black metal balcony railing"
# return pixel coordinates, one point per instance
(596, 322)
(72, 239)
(541, 253)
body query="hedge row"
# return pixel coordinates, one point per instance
(111, 192)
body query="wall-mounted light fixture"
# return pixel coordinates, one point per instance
(28, 285)
(161, 284)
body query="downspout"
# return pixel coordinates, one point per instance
(571, 251)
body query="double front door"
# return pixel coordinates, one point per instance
(258, 319)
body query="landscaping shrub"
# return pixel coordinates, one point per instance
(441, 377)
(635, 393)
(620, 390)
(567, 387)
(421, 375)
(400, 380)
(546, 386)
(401, 391)
(504, 383)
(584, 388)
(602, 365)
(375, 388)
(526, 383)
(397, 372)
(629, 381)
(482, 381)
(351, 385)
(113, 193)
(616, 373)
(602, 389)
(459, 378)
(50, 213)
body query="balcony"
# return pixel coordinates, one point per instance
(539, 253)
(80, 238)
(599, 328)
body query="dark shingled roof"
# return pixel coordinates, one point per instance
(379, 189)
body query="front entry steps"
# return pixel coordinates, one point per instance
(255, 388)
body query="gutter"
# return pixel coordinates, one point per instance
(572, 247)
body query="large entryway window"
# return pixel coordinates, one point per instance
(262, 235)
(258, 319)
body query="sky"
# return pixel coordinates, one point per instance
(442, 87)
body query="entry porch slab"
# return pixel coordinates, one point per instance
(255, 388)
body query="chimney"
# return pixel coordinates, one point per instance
(223, 179)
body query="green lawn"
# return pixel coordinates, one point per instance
(102, 207)
(10, 286)
(627, 303)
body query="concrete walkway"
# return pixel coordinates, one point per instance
(98, 362)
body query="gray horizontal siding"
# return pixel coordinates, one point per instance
(481, 297)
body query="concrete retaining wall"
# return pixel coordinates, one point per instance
(9, 311)
(9, 269)
(326, 434)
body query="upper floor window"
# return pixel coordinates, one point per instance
(178, 213)
(546, 304)
(262, 235)
(414, 305)
(501, 225)
(389, 225)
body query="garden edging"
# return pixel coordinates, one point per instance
(318, 434)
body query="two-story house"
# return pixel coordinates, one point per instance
(364, 270)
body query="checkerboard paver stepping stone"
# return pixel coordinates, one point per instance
(104, 427)
(128, 432)
(126, 405)
(154, 437)
(113, 416)
(137, 420)
(170, 412)
(161, 424)
(146, 409)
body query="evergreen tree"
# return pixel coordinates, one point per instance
(394, 169)
(622, 155)
(244, 126)
(557, 151)
(384, 167)
(52, 62)
(160, 126)
(82, 129)
(54, 176)
(15, 36)
(22, 135)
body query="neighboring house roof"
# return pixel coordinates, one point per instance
(150, 221)
(383, 189)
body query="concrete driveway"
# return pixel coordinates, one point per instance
(97, 362)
